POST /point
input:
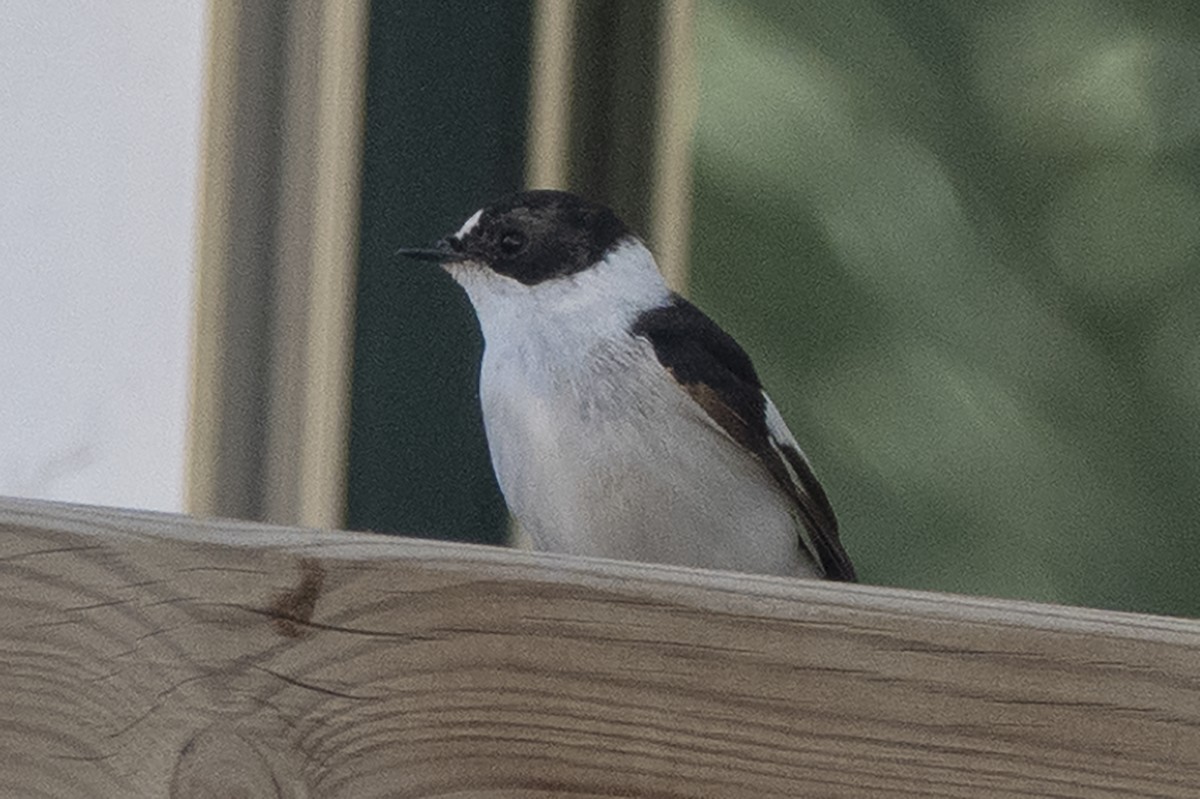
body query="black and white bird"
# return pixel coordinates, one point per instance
(623, 422)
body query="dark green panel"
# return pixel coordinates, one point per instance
(613, 113)
(447, 84)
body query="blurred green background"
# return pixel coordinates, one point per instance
(961, 241)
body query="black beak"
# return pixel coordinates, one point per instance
(441, 251)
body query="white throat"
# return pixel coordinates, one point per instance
(597, 303)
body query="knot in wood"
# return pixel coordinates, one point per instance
(223, 762)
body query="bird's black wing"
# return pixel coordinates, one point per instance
(718, 374)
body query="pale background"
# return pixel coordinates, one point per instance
(99, 125)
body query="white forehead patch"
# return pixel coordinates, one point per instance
(469, 225)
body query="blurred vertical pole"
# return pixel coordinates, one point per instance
(446, 115)
(676, 108)
(550, 94)
(316, 254)
(613, 109)
(275, 261)
(226, 431)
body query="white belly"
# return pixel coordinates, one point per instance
(630, 468)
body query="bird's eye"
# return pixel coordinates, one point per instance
(512, 242)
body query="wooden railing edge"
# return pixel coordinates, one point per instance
(498, 561)
(151, 654)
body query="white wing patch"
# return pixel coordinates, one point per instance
(778, 429)
(780, 437)
(819, 533)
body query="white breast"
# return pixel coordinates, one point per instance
(596, 448)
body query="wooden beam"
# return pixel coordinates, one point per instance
(155, 655)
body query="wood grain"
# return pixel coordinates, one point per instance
(155, 655)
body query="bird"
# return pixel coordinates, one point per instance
(623, 422)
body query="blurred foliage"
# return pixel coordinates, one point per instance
(962, 240)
